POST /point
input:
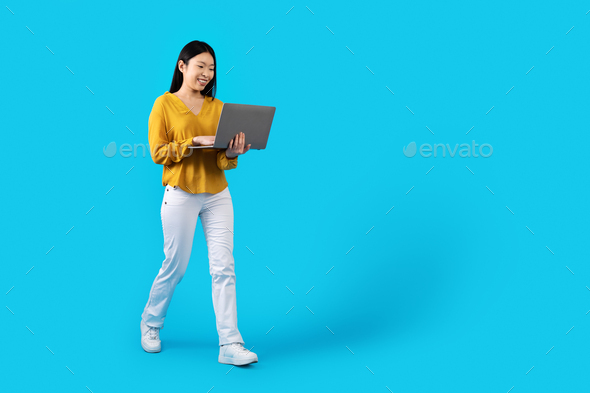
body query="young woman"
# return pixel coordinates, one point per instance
(195, 184)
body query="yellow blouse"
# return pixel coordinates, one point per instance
(172, 127)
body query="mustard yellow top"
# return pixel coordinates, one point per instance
(172, 126)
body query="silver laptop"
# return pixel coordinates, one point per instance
(253, 120)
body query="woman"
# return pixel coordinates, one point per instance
(195, 184)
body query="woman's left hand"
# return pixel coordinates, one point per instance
(236, 146)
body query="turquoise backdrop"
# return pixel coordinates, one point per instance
(359, 269)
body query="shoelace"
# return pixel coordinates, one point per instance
(152, 333)
(239, 348)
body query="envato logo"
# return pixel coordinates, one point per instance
(465, 150)
(126, 150)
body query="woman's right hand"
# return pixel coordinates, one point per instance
(203, 140)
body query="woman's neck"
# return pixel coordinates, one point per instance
(190, 94)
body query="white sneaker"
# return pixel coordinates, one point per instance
(236, 354)
(150, 338)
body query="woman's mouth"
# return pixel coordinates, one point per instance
(202, 82)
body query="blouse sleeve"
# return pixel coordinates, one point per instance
(225, 163)
(162, 150)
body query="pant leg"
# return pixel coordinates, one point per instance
(217, 218)
(179, 212)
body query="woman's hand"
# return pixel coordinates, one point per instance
(236, 146)
(203, 140)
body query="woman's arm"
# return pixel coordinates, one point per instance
(163, 151)
(224, 163)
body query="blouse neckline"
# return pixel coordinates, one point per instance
(180, 102)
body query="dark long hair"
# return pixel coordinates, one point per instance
(189, 51)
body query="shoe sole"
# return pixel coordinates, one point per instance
(224, 360)
(150, 350)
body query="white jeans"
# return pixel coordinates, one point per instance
(179, 213)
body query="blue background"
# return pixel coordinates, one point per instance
(388, 273)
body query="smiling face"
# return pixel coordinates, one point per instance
(199, 72)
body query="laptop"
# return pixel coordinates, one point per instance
(253, 120)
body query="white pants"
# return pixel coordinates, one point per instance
(179, 213)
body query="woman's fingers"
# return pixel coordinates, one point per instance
(239, 141)
(236, 145)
